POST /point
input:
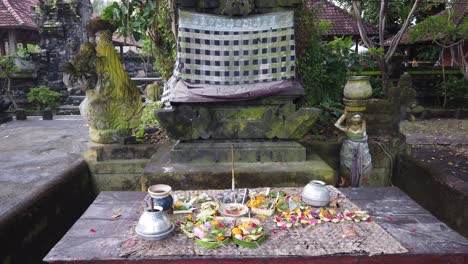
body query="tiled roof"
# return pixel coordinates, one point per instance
(342, 22)
(17, 13)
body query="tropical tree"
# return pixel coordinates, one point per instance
(383, 55)
(444, 31)
(153, 19)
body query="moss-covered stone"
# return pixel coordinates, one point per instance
(113, 103)
(255, 120)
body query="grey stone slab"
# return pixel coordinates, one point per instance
(421, 233)
(34, 151)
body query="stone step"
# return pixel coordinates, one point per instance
(75, 99)
(135, 166)
(209, 152)
(106, 152)
(68, 110)
(218, 176)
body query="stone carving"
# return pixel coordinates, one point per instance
(62, 28)
(355, 158)
(113, 103)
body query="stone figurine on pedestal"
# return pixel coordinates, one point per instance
(355, 158)
(113, 103)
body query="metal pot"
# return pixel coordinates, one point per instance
(316, 194)
(154, 224)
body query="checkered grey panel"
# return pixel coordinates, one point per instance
(238, 51)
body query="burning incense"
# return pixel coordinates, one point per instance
(232, 158)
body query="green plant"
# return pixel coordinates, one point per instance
(456, 89)
(147, 117)
(444, 31)
(44, 97)
(153, 19)
(7, 69)
(26, 51)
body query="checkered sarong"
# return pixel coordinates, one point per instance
(231, 51)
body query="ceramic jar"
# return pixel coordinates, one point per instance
(161, 195)
(154, 224)
(358, 88)
(315, 193)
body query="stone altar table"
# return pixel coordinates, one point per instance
(96, 237)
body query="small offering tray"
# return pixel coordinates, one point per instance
(288, 238)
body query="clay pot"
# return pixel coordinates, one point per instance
(358, 88)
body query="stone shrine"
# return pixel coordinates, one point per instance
(233, 84)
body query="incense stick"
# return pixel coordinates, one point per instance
(232, 158)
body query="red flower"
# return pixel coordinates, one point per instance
(92, 230)
(368, 220)
(253, 224)
(389, 218)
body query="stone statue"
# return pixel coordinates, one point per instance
(113, 103)
(355, 159)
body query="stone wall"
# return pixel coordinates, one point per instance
(62, 29)
(135, 66)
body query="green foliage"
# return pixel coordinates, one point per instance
(7, 66)
(43, 96)
(7, 69)
(396, 11)
(148, 118)
(25, 52)
(444, 31)
(427, 53)
(323, 68)
(441, 29)
(140, 19)
(456, 89)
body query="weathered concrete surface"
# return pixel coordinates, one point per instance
(435, 131)
(34, 152)
(44, 184)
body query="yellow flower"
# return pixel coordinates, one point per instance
(263, 217)
(219, 238)
(189, 217)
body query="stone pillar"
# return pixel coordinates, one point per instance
(62, 28)
(12, 41)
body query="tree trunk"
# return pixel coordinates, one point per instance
(443, 79)
(8, 92)
(385, 78)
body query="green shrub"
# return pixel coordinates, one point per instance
(43, 97)
(148, 118)
(456, 89)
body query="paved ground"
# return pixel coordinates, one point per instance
(33, 151)
(436, 131)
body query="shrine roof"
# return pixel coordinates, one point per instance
(343, 23)
(17, 14)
